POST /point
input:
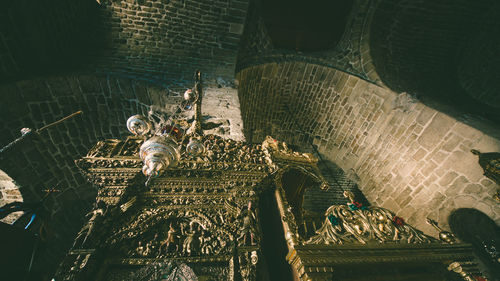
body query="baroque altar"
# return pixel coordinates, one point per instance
(200, 216)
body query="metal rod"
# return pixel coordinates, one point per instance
(198, 88)
(14, 142)
(59, 121)
(28, 132)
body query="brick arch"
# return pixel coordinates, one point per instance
(9, 192)
(430, 49)
(364, 45)
(410, 158)
(472, 226)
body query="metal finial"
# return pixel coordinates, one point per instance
(444, 235)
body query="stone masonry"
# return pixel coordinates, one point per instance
(407, 157)
(165, 40)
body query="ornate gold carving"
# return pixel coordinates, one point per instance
(198, 212)
(490, 162)
(104, 148)
(248, 233)
(95, 217)
(444, 235)
(458, 268)
(280, 151)
(373, 224)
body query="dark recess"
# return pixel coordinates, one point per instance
(313, 25)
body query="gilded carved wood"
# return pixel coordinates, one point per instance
(203, 215)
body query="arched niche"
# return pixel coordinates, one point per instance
(442, 53)
(9, 192)
(474, 227)
(295, 182)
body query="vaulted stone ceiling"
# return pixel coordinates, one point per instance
(443, 54)
(410, 150)
(115, 59)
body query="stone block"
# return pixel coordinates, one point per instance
(435, 131)
(467, 131)
(436, 201)
(448, 178)
(487, 182)
(438, 156)
(236, 28)
(428, 168)
(473, 188)
(465, 163)
(456, 187)
(391, 204)
(425, 115)
(452, 142)
(407, 167)
(419, 154)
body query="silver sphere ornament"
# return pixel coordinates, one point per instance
(158, 153)
(138, 125)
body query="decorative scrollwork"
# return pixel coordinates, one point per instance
(346, 224)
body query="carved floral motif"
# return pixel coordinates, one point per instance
(344, 224)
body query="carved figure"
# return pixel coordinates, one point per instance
(167, 271)
(153, 245)
(169, 243)
(95, 215)
(189, 246)
(141, 250)
(247, 229)
(206, 243)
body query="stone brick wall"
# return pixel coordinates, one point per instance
(159, 40)
(221, 110)
(442, 52)
(407, 157)
(428, 49)
(165, 40)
